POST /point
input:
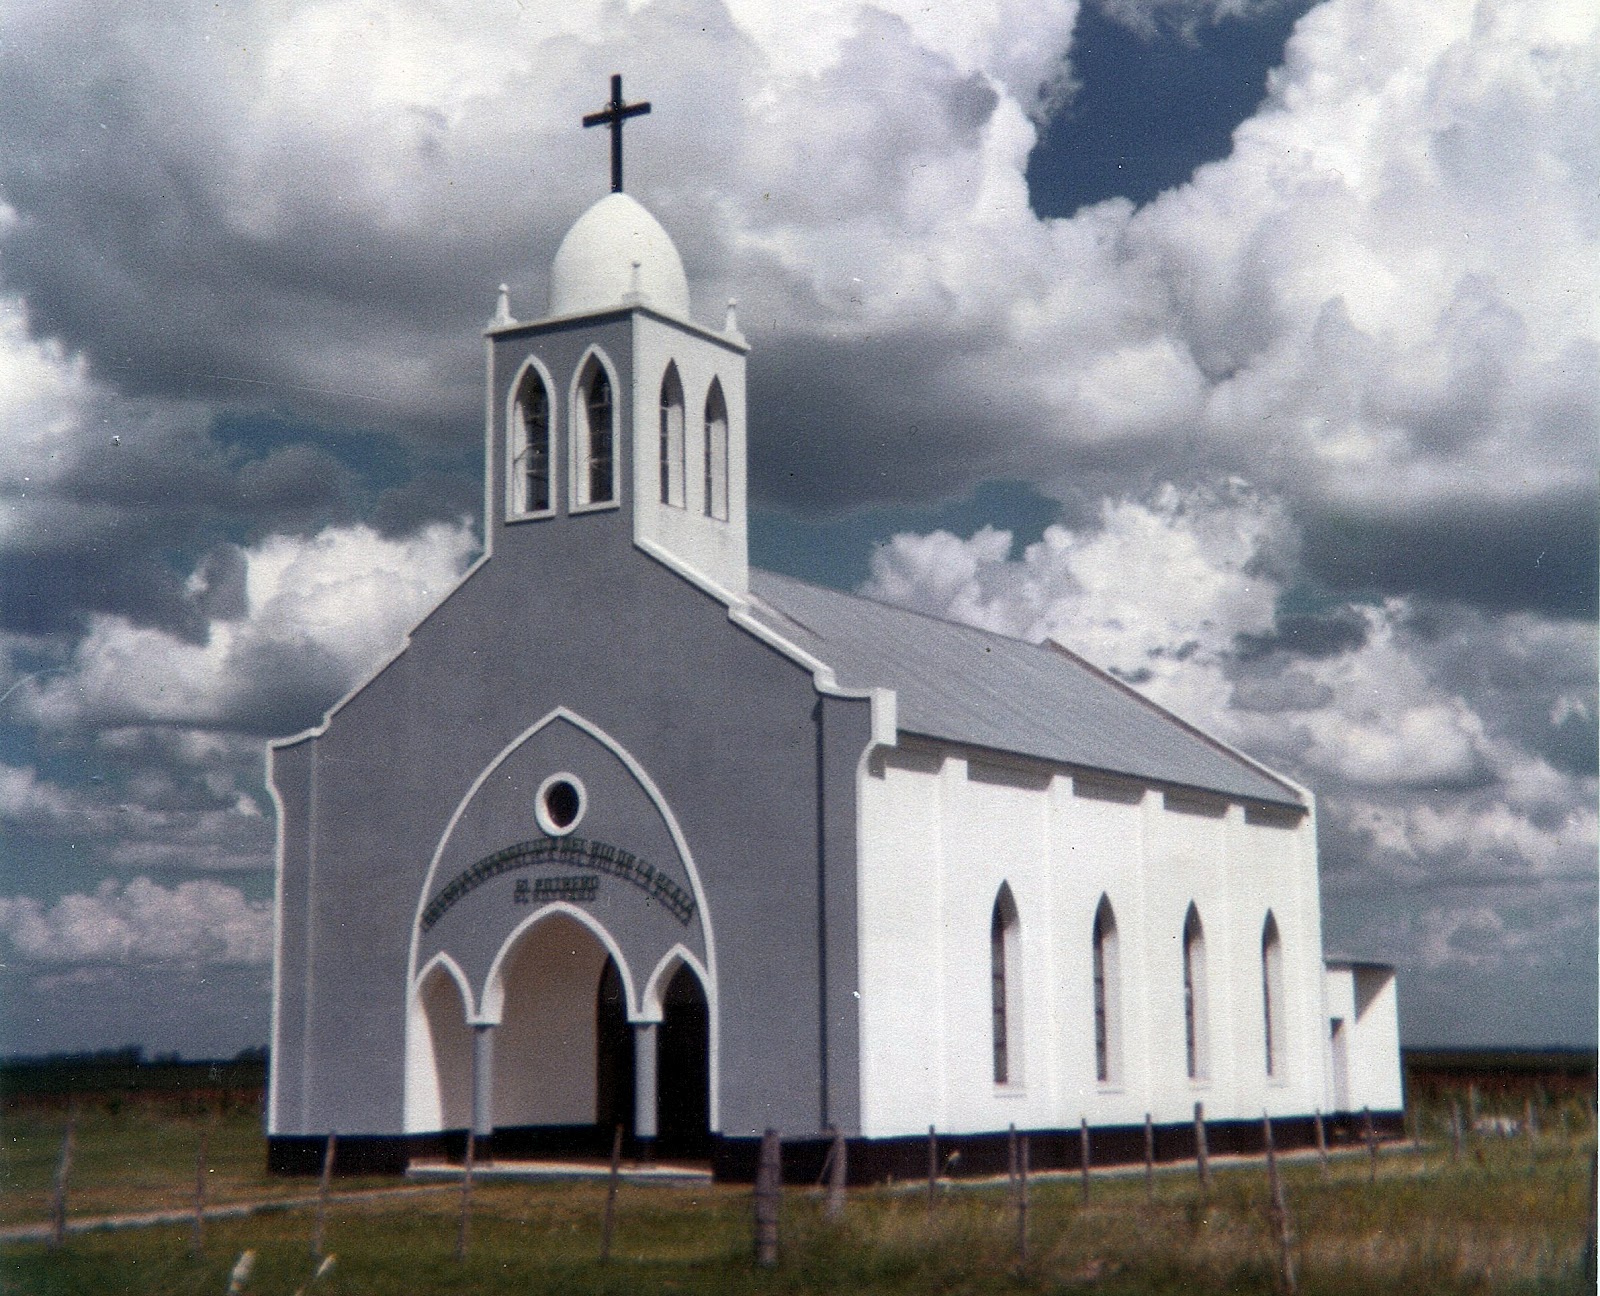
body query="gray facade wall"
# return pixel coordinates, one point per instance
(758, 769)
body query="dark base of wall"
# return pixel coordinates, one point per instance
(377, 1154)
(869, 1161)
(354, 1154)
(872, 1161)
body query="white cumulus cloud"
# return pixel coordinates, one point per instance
(1427, 778)
(1157, 592)
(319, 612)
(141, 922)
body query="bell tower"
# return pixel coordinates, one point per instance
(616, 402)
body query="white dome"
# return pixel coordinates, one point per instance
(593, 269)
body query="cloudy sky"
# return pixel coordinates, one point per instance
(1247, 347)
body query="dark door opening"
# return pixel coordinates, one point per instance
(613, 1058)
(683, 1065)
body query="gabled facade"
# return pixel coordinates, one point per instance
(629, 834)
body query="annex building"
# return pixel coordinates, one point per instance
(631, 833)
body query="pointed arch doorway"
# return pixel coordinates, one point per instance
(683, 1067)
(614, 1055)
(682, 1043)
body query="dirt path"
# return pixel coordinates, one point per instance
(222, 1210)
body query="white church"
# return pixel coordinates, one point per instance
(630, 833)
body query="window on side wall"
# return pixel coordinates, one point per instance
(1107, 996)
(1005, 978)
(1272, 996)
(1195, 1041)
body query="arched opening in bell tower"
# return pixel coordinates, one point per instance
(595, 459)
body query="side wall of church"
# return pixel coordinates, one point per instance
(944, 829)
(759, 772)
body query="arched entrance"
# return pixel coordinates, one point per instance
(684, 1069)
(439, 1091)
(683, 1064)
(565, 1051)
(614, 1066)
(546, 1056)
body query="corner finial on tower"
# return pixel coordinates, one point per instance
(502, 309)
(613, 115)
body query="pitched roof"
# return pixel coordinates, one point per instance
(965, 685)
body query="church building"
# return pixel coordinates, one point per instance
(630, 833)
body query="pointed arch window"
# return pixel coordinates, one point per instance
(596, 449)
(529, 479)
(1005, 985)
(1107, 996)
(1195, 1041)
(1272, 996)
(716, 452)
(672, 438)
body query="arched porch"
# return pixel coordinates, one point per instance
(561, 1049)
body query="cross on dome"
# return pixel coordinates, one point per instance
(613, 115)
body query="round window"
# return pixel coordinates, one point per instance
(560, 804)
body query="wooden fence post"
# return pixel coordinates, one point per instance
(769, 1192)
(1022, 1202)
(1083, 1154)
(1322, 1144)
(1591, 1241)
(464, 1224)
(58, 1196)
(1455, 1130)
(328, 1149)
(1202, 1161)
(1149, 1158)
(933, 1168)
(197, 1237)
(610, 1219)
(838, 1175)
(1531, 1129)
(1279, 1212)
(1371, 1135)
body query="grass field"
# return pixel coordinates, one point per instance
(1487, 1223)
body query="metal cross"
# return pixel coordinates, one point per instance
(613, 115)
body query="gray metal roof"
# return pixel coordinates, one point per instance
(965, 685)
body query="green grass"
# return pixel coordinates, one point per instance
(1485, 1224)
(136, 1156)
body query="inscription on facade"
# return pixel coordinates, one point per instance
(582, 888)
(563, 852)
